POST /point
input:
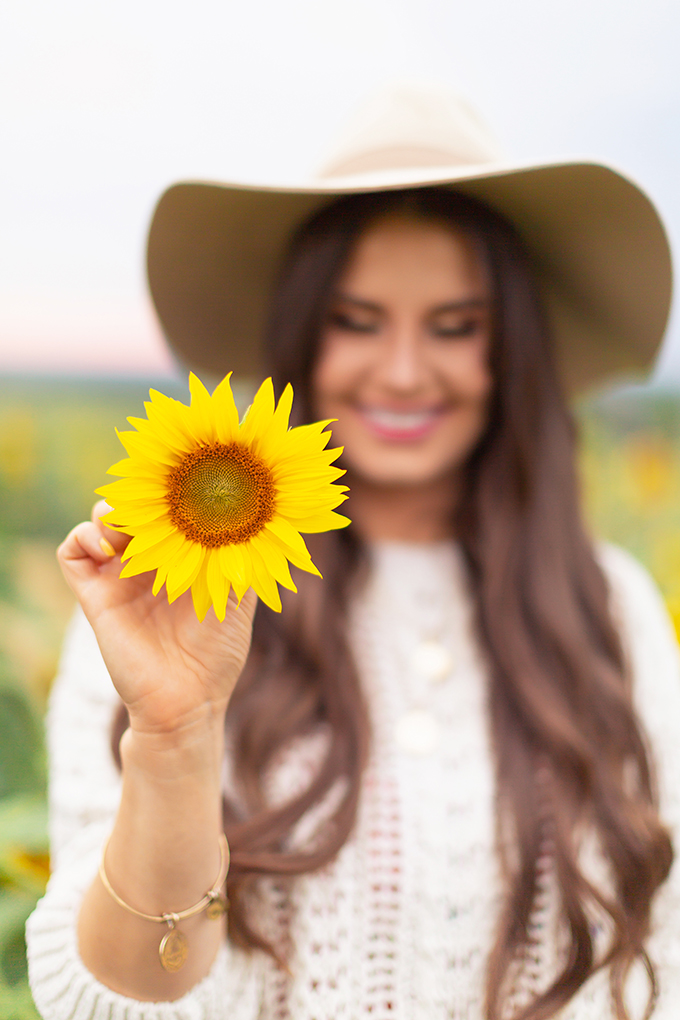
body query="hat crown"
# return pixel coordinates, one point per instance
(411, 126)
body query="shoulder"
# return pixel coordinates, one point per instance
(649, 639)
(628, 578)
(650, 643)
(637, 606)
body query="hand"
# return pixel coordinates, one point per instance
(167, 667)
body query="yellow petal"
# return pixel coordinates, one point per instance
(272, 438)
(161, 574)
(225, 411)
(150, 447)
(289, 447)
(309, 468)
(236, 567)
(174, 415)
(308, 457)
(264, 584)
(321, 522)
(133, 489)
(310, 436)
(148, 537)
(201, 416)
(150, 559)
(138, 467)
(200, 592)
(288, 535)
(305, 503)
(231, 561)
(258, 416)
(218, 585)
(123, 467)
(184, 568)
(274, 559)
(167, 427)
(175, 594)
(304, 562)
(146, 513)
(168, 406)
(304, 475)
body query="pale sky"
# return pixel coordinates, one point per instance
(104, 105)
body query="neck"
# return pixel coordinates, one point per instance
(401, 513)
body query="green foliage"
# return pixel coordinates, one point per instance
(21, 757)
(17, 1004)
(57, 439)
(630, 467)
(23, 843)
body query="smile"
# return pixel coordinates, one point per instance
(401, 426)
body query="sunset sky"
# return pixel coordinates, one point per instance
(103, 105)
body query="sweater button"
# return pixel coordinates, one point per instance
(417, 732)
(432, 661)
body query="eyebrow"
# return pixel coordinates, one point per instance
(449, 306)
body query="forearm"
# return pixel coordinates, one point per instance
(162, 857)
(175, 674)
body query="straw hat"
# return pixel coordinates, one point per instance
(598, 245)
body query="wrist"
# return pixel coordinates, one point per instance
(193, 748)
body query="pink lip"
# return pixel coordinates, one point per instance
(400, 426)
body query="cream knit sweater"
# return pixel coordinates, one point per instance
(399, 926)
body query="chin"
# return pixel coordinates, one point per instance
(406, 476)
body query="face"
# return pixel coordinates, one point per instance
(404, 357)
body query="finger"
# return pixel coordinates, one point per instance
(82, 554)
(85, 541)
(115, 540)
(100, 509)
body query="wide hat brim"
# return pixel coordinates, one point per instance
(596, 241)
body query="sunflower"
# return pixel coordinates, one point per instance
(212, 504)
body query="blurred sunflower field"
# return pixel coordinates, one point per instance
(57, 438)
(56, 441)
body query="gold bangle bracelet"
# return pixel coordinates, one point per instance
(173, 949)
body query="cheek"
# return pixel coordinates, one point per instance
(337, 369)
(482, 385)
(471, 385)
(469, 373)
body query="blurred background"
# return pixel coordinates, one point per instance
(102, 106)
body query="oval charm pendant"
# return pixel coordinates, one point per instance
(417, 732)
(173, 950)
(216, 908)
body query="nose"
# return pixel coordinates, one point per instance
(402, 365)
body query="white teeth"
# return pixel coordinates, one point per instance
(402, 420)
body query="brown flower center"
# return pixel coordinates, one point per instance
(220, 494)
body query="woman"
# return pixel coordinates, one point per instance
(438, 765)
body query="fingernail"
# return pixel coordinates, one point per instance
(106, 547)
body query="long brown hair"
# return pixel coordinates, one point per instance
(559, 687)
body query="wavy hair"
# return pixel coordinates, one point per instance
(559, 686)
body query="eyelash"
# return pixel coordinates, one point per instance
(467, 328)
(341, 321)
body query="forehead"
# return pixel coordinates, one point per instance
(409, 257)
